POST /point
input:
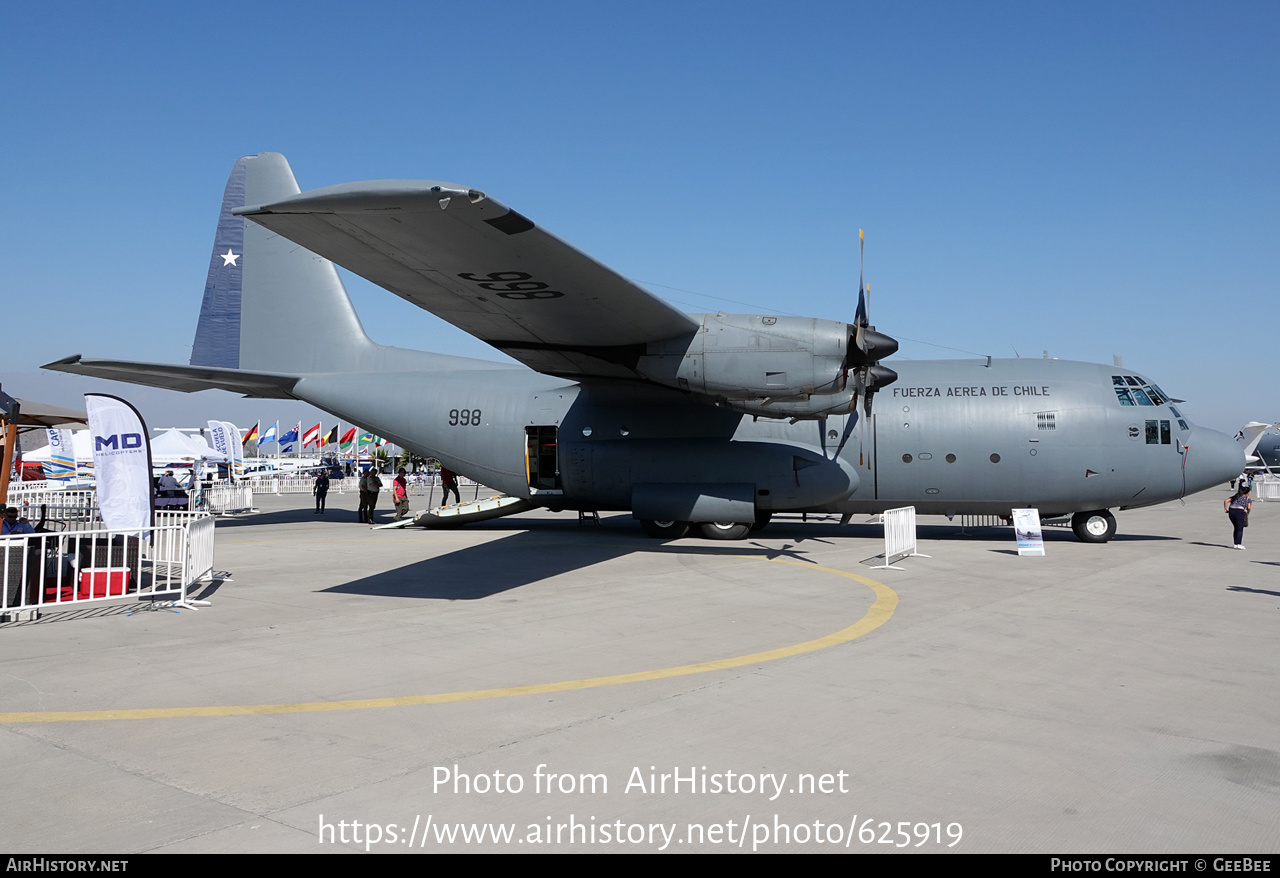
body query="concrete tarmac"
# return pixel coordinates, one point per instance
(351, 689)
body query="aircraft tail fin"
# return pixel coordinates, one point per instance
(1249, 436)
(270, 305)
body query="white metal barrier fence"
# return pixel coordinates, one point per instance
(431, 488)
(899, 536)
(31, 485)
(982, 521)
(1266, 487)
(223, 499)
(290, 485)
(421, 487)
(59, 510)
(200, 541)
(66, 570)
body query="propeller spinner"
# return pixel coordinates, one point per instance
(867, 347)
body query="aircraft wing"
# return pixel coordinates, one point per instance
(189, 379)
(486, 269)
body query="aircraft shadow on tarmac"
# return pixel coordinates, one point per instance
(534, 551)
(290, 516)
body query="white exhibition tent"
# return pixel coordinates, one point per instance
(175, 446)
(171, 447)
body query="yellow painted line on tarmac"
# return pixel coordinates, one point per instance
(880, 611)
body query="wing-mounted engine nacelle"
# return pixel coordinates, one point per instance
(775, 367)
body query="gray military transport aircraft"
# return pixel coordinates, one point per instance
(714, 421)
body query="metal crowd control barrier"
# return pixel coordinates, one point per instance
(61, 510)
(428, 486)
(300, 485)
(48, 571)
(198, 556)
(899, 537)
(982, 521)
(283, 485)
(1266, 487)
(226, 499)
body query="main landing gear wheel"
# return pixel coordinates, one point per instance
(665, 530)
(762, 521)
(1094, 527)
(725, 530)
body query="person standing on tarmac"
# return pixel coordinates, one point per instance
(370, 485)
(1238, 508)
(449, 482)
(321, 490)
(363, 511)
(400, 493)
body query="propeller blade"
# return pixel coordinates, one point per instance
(866, 347)
(860, 316)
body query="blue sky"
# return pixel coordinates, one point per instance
(1087, 178)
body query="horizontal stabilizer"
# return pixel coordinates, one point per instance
(188, 379)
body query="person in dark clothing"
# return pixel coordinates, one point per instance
(370, 485)
(449, 482)
(321, 490)
(1238, 508)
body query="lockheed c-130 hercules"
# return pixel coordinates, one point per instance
(715, 421)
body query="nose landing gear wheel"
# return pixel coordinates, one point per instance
(1094, 527)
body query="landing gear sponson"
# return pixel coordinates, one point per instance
(1098, 526)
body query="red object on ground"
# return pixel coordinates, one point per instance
(103, 583)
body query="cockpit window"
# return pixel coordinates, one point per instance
(1135, 390)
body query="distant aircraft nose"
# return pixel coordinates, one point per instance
(1213, 458)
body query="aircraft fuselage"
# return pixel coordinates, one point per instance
(959, 436)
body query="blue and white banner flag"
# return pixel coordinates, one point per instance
(121, 462)
(61, 465)
(237, 449)
(270, 434)
(220, 440)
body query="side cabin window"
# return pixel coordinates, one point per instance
(1159, 433)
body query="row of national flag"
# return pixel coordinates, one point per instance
(309, 437)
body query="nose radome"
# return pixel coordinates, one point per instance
(1213, 458)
